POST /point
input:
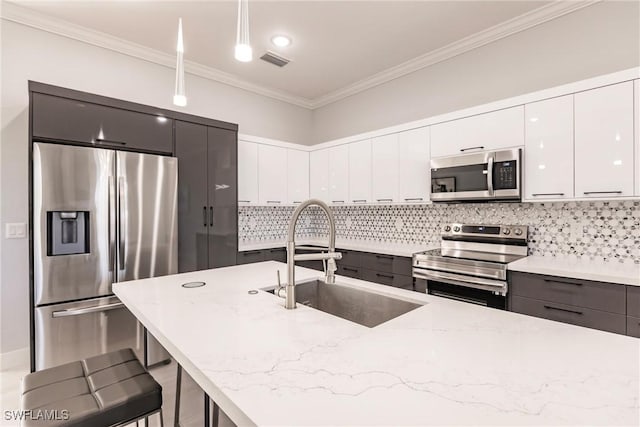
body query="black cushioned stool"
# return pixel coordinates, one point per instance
(108, 390)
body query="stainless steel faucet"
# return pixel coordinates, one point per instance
(330, 257)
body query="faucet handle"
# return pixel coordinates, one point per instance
(331, 265)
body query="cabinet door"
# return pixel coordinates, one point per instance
(489, 131)
(223, 196)
(414, 170)
(549, 149)
(65, 119)
(272, 174)
(191, 150)
(297, 176)
(319, 175)
(636, 92)
(604, 141)
(247, 173)
(360, 171)
(385, 168)
(339, 174)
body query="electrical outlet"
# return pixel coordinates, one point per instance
(15, 230)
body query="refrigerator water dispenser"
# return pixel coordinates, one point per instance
(67, 232)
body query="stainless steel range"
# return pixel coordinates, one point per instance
(471, 264)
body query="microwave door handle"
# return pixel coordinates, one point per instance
(490, 175)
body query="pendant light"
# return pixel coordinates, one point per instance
(179, 98)
(243, 51)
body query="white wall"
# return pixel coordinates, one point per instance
(29, 54)
(596, 40)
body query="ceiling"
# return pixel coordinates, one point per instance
(336, 44)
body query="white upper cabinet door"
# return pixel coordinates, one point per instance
(272, 174)
(360, 171)
(339, 174)
(319, 175)
(636, 92)
(604, 141)
(414, 178)
(384, 167)
(489, 131)
(247, 173)
(548, 172)
(297, 176)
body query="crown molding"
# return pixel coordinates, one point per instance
(474, 41)
(22, 15)
(12, 12)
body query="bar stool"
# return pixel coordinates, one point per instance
(112, 389)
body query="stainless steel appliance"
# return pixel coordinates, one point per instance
(471, 264)
(485, 176)
(99, 216)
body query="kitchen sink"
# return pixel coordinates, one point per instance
(356, 305)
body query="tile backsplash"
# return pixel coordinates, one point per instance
(595, 230)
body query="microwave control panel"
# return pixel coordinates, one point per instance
(505, 175)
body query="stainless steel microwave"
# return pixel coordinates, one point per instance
(486, 176)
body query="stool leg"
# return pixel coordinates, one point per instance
(176, 417)
(216, 414)
(161, 418)
(207, 418)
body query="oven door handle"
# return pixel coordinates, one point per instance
(461, 280)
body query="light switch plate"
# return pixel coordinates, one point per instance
(15, 230)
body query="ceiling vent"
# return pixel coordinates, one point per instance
(274, 59)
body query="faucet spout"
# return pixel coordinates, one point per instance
(331, 256)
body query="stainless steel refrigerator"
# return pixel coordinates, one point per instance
(99, 216)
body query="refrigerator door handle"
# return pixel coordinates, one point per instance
(111, 221)
(211, 216)
(204, 215)
(122, 233)
(87, 310)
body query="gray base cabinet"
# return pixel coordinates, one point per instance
(597, 305)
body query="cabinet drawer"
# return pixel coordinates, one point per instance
(348, 271)
(633, 301)
(275, 254)
(633, 326)
(315, 265)
(350, 258)
(65, 119)
(390, 279)
(580, 316)
(579, 293)
(387, 263)
(247, 257)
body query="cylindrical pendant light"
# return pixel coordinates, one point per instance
(180, 98)
(243, 51)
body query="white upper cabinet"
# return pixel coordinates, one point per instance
(636, 91)
(548, 170)
(604, 141)
(414, 177)
(360, 171)
(489, 131)
(247, 173)
(272, 174)
(297, 176)
(339, 174)
(319, 175)
(384, 168)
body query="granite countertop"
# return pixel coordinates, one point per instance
(612, 272)
(398, 249)
(447, 362)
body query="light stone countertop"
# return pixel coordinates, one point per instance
(397, 249)
(612, 272)
(447, 362)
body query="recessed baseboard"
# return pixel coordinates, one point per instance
(14, 359)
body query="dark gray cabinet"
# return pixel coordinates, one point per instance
(68, 120)
(586, 303)
(633, 301)
(207, 196)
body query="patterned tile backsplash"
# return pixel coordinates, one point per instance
(595, 230)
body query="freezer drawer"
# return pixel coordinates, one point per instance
(73, 331)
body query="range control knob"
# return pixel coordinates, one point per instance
(447, 228)
(506, 231)
(456, 228)
(518, 231)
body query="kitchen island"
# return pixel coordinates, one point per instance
(446, 362)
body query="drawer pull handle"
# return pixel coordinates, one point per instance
(548, 307)
(472, 148)
(603, 192)
(244, 201)
(355, 270)
(384, 200)
(384, 275)
(548, 194)
(273, 201)
(110, 141)
(337, 201)
(384, 257)
(561, 282)
(359, 201)
(413, 199)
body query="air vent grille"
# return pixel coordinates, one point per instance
(274, 59)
